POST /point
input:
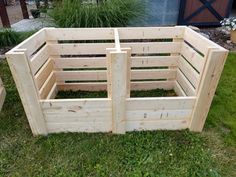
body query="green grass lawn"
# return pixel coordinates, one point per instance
(159, 153)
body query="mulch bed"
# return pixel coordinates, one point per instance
(220, 36)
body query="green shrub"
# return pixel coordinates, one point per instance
(104, 13)
(9, 37)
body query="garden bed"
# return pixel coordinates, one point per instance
(117, 63)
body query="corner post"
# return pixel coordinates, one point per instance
(210, 78)
(23, 78)
(117, 86)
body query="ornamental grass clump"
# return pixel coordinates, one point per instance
(9, 37)
(102, 13)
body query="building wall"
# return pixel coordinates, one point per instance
(159, 13)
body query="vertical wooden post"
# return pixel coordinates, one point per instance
(128, 50)
(2, 94)
(211, 75)
(23, 78)
(118, 87)
(24, 9)
(4, 16)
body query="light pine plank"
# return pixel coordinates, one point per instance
(118, 79)
(161, 103)
(214, 66)
(89, 127)
(199, 42)
(153, 115)
(102, 75)
(156, 125)
(43, 73)
(80, 34)
(64, 105)
(100, 86)
(189, 72)
(39, 59)
(93, 62)
(193, 57)
(151, 32)
(154, 61)
(153, 47)
(153, 74)
(53, 92)
(100, 62)
(80, 49)
(47, 86)
(23, 78)
(100, 48)
(185, 84)
(178, 90)
(32, 43)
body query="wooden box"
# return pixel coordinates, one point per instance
(117, 60)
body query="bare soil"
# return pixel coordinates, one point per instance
(221, 37)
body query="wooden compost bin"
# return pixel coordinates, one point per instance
(57, 59)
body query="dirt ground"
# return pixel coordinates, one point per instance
(15, 13)
(220, 36)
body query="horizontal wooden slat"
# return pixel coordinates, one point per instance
(156, 125)
(154, 61)
(43, 73)
(151, 32)
(39, 59)
(102, 75)
(145, 85)
(105, 126)
(185, 84)
(32, 43)
(80, 49)
(178, 89)
(150, 85)
(80, 75)
(153, 47)
(89, 86)
(75, 105)
(198, 41)
(93, 62)
(77, 110)
(68, 104)
(153, 74)
(193, 57)
(100, 48)
(89, 127)
(100, 62)
(189, 72)
(80, 34)
(92, 114)
(83, 110)
(162, 103)
(53, 92)
(88, 115)
(153, 115)
(47, 86)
